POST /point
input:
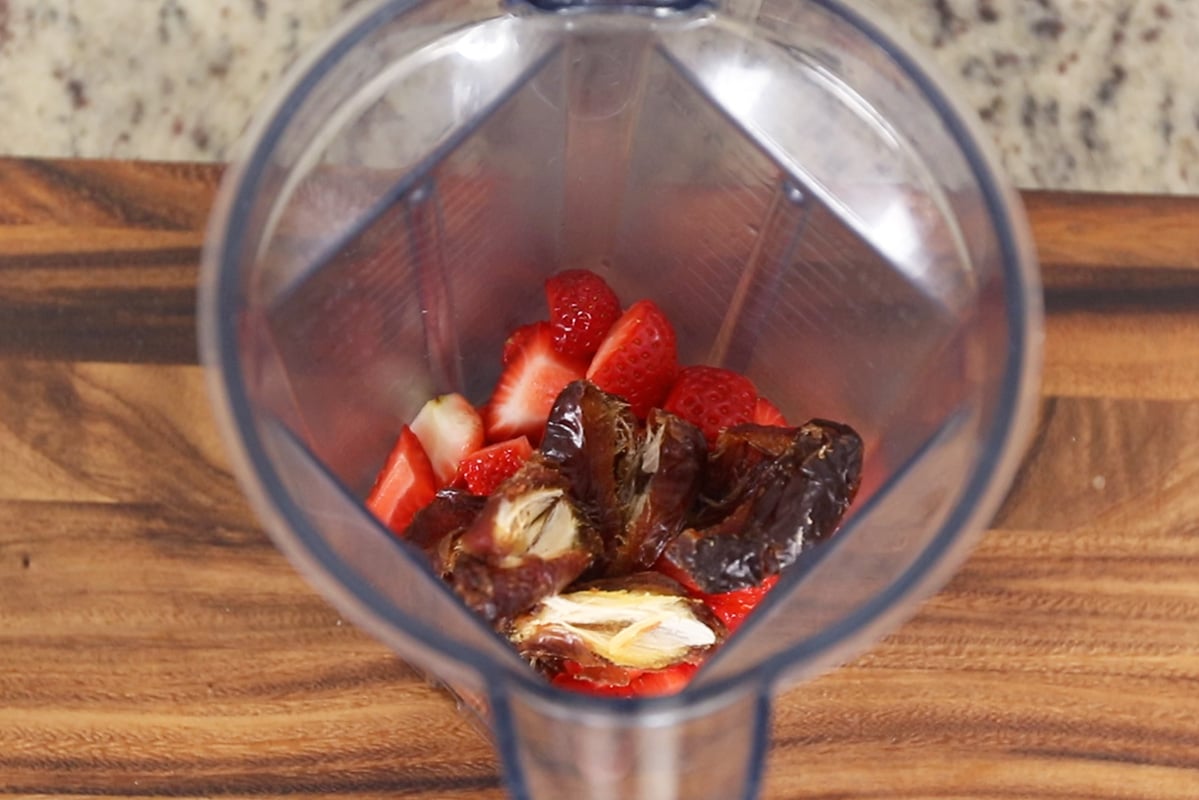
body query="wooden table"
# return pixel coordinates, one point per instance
(153, 642)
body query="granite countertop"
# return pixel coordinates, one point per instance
(1077, 94)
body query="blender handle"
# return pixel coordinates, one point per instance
(554, 746)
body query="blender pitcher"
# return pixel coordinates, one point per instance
(781, 177)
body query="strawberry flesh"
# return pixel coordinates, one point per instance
(405, 485)
(449, 429)
(733, 607)
(767, 413)
(730, 607)
(527, 388)
(638, 358)
(518, 341)
(582, 309)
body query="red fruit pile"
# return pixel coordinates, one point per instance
(630, 353)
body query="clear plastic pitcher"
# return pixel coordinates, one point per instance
(786, 181)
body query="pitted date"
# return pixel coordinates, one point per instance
(635, 484)
(529, 540)
(768, 495)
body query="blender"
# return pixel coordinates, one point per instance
(786, 180)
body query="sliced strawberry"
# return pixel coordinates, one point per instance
(519, 339)
(767, 413)
(405, 485)
(638, 358)
(640, 683)
(733, 607)
(602, 674)
(484, 470)
(527, 388)
(712, 398)
(571, 683)
(582, 309)
(672, 680)
(449, 429)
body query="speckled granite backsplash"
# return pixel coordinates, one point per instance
(1077, 94)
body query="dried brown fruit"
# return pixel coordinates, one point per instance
(591, 437)
(635, 486)
(644, 622)
(663, 487)
(436, 527)
(529, 540)
(769, 493)
(499, 593)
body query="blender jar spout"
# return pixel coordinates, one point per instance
(711, 749)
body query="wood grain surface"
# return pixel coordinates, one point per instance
(154, 643)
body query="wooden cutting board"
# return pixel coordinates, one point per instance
(153, 642)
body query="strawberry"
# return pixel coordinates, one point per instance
(519, 339)
(484, 470)
(654, 683)
(638, 358)
(712, 398)
(639, 683)
(449, 429)
(527, 388)
(582, 309)
(767, 413)
(405, 485)
(733, 607)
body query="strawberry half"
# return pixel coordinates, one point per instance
(582, 310)
(527, 388)
(638, 358)
(767, 413)
(484, 470)
(712, 398)
(405, 485)
(449, 429)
